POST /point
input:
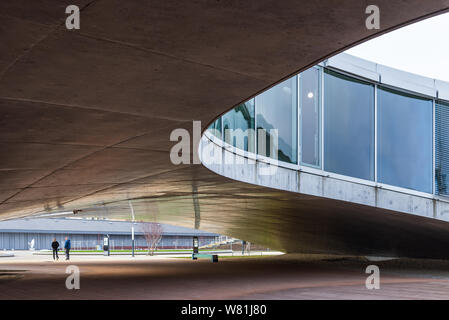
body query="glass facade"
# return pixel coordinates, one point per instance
(309, 106)
(337, 131)
(348, 126)
(276, 118)
(215, 128)
(238, 126)
(404, 156)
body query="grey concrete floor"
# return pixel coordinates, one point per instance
(280, 277)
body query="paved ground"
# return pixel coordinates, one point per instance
(46, 255)
(280, 277)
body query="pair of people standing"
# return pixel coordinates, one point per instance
(55, 246)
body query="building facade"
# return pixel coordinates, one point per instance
(87, 234)
(346, 129)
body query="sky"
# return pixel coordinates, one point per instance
(421, 48)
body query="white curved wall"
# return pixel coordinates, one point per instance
(247, 167)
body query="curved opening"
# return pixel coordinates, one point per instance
(356, 119)
(418, 48)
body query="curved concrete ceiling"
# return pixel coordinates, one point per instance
(86, 114)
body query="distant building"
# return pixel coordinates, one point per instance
(88, 234)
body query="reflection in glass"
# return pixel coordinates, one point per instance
(277, 110)
(441, 148)
(404, 140)
(238, 126)
(309, 105)
(215, 128)
(348, 126)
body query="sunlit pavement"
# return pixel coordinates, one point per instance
(27, 256)
(275, 277)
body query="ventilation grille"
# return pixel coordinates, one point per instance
(441, 149)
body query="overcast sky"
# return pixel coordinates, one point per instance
(421, 48)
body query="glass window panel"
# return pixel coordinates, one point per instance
(441, 148)
(238, 126)
(404, 140)
(348, 126)
(309, 104)
(215, 128)
(277, 110)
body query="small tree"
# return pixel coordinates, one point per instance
(153, 234)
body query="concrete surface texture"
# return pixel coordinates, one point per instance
(87, 114)
(286, 277)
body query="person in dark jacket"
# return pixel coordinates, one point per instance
(67, 248)
(55, 247)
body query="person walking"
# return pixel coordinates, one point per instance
(67, 248)
(55, 247)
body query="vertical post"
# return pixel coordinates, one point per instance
(434, 190)
(322, 118)
(132, 238)
(106, 245)
(195, 245)
(196, 207)
(132, 226)
(375, 133)
(255, 129)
